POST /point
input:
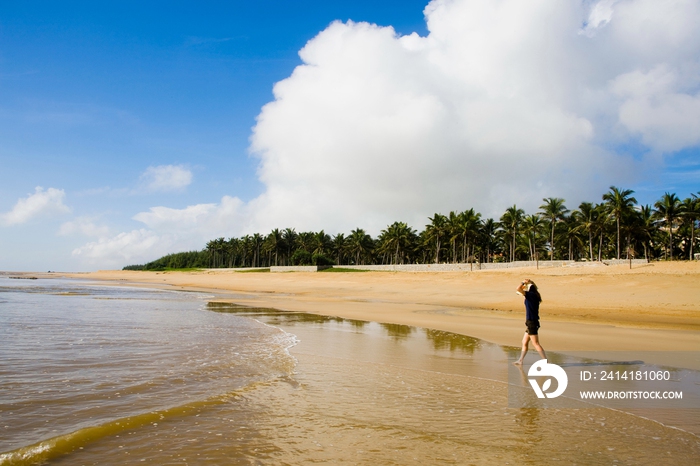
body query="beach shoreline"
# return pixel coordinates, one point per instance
(651, 307)
(361, 383)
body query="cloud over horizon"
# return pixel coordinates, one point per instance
(503, 102)
(166, 230)
(42, 203)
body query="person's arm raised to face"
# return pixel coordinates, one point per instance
(523, 287)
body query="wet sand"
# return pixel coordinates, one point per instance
(654, 306)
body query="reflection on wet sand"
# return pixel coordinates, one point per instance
(452, 341)
(374, 393)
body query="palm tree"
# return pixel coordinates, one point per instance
(587, 222)
(322, 243)
(645, 228)
(468, 227)
(435, 231)
(399, 238)
(290, 238)
(554, 210)
(573, 234)
(619, 203)
(592, 223)
(488, 234)
(359, 243)
(338, 247)
(533, 225)
(217, 249)
(211, 247)
(510, 222)
(453, 232)
(691, 213)
(305, 241)
(599, 226)
(668, 209)
(257, 241)
(426, 251)
(246, 244)
(232, 249)
(275, 243)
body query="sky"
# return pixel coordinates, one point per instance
(132, 130)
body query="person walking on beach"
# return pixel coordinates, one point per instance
(532, 318)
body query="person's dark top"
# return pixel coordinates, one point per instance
(532, 306)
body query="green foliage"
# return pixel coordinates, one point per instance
(320, 259)
(301, 257)
(135, 267)
(177, 261)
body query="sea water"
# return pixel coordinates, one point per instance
(105, 375)
(80, 363)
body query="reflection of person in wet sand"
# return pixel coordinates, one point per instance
(532, 318)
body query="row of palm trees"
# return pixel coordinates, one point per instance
(616, 227)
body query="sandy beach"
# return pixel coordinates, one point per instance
(366, 368)
(653, 306)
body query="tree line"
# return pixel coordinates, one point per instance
(615, 228)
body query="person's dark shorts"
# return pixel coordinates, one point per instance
(532, 326)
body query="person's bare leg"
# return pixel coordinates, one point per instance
(523, 352)
(538, 347)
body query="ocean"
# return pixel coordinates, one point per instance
(95, 374)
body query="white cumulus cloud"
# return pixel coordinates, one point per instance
(504, 101)
(42, 203)
(166, 178)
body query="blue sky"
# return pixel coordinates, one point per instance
(128, 108)
(92, 95)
